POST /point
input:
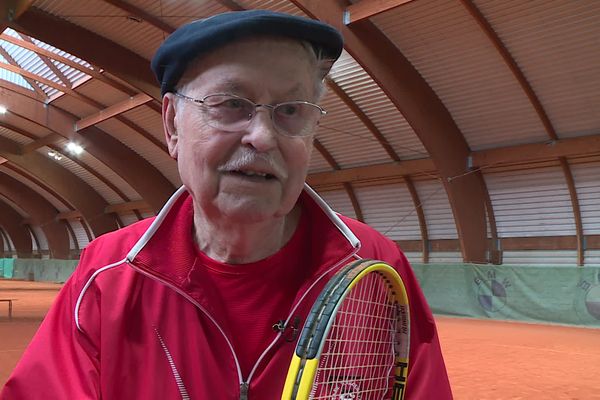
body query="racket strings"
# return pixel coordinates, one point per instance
(358, 357)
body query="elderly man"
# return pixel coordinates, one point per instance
(203, 301)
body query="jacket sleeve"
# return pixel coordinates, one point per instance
(60, 362)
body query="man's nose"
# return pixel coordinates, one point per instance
(261, 133)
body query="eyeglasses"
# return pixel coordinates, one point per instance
(231, 113)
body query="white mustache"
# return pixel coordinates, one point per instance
(249, 159)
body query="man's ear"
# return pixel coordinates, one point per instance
(169, 123)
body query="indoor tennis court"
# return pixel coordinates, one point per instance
(464, 133)
(486, 359)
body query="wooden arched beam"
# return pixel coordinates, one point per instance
(1, 243)
(11, 220)
(89, 46)
(152, 185)
(427, 115)
(75, 159)
(66, 184)
(347, 186)
(138, 12)
(40, 211)
(47, 54)
(540, 111)
(394, 156)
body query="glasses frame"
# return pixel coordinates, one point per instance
(271, 107)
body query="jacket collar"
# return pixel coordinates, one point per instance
(166, 248)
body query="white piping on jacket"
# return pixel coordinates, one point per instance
(155, 224)
(178, 380)
(335, 219)
(87, 285)
(343, 228)
(194, 302)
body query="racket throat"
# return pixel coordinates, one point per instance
(244, 387)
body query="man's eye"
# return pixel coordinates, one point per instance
(233, 104)
(288, 109)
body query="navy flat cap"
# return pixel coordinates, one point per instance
(198, 37)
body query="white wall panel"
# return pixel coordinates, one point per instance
(390, 210)
(82, 239)
(34, 247)
(587, 182)
(541, 258)
(445, 257)
(437, 210)
(346, 138)
(41, 236)
(556, 45)
(318, 163)
(414, 257)
(369, 97)
(339, 202)
(72, 245)
(592, 257)
(128, 219)
(7, 243)
(449, 49)
(531, 203)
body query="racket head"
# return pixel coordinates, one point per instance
(355, 342)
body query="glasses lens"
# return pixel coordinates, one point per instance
(296, 118)
(228, 113)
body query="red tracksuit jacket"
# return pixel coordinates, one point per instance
(133, 322)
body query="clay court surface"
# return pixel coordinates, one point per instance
(486, 360)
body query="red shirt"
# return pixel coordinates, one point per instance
(247, 293)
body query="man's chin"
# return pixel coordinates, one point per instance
(248, 211)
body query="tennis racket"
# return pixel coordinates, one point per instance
(355, 343)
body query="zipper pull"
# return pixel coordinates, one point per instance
(244, 391)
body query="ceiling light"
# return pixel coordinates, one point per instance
(54, 155)
(74, 148)
(3, 110)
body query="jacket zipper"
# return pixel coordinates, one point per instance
(244, 384)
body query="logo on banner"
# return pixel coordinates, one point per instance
(588, 300)
(491, 291)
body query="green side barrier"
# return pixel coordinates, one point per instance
(43, 270)
(555, 294)
(6, 267)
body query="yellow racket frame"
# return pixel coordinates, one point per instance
(307, 367)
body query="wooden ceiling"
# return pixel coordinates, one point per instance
(89, 82)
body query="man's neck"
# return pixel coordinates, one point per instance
(239, 243)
